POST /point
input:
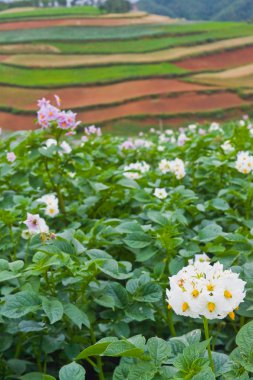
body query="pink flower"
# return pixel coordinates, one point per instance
(84, 138)
(11, 157)
(36, 224)
(43, 102)
(58, 100)
(93, 130)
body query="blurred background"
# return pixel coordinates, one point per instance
(125, 65)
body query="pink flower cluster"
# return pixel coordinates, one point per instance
(49, 114)
(92, 130)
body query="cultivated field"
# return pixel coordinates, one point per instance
(122, 67)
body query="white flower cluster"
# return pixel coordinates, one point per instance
(51, 203)
(136, 169)
(244, 162)
(205, 290)
(131, 144)
(66, 148)
(176, 167)
(227, 147)
(215, 127)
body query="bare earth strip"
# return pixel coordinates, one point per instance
(48, 60)
(84, 97)
(28, 48)
(219, 60)
(237, 77)
(89, 21)
(189, 102)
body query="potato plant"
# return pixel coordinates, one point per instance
(84, 279)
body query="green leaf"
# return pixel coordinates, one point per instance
(210, 232)
(244, 339)
(159, 350)
(37, 376)
(20, 304)
(53, 309)
(7, 275)
(77, 316)
(72, 371)
(137, 240)
(222, 363)
(96, 349)
(205, 374)
(123, 348)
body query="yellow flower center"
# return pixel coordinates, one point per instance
(227, 294)
(185, 306)
(195, 293)
(210, 287)
(211, 306)
(169, 307)
(232, 315)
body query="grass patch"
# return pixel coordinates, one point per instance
(52, 12)
(45, 78)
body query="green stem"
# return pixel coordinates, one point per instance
(207, 336)
(98, 358)
(171, 324)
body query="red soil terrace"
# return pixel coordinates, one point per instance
(220, 60)
(78, 97)
(92, 21)
(185, 103)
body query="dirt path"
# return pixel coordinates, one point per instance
(89, 21)
(218, 61)
(48, 60)
(185, 103)
(77, 97)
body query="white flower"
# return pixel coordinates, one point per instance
(160, 148)
(182, 138)
(192, 127)
(25, 234)
(251, 132)
(165, 166)
(227, 147)
(204, 290)
(135, 170)
(160, 193)
(215, 127)
(51, 203)
(66, 147)
(242, 123)
(244, 162)
(50, 142)
(52, 210)
(178, 168)
(169, 132)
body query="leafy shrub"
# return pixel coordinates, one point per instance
(87, 296)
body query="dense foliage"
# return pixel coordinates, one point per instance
(90, 288)
(116, 6)
(201, 9)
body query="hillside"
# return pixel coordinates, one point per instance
(225, 10)
(134, 70)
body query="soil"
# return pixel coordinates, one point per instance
(78, 97)
(218, 61)
(185, 103)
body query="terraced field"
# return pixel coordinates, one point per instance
(122, 67)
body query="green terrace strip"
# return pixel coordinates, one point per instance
(132, 39)
(45, 78)
(52, 13)
(80, 33)
(149, 44)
